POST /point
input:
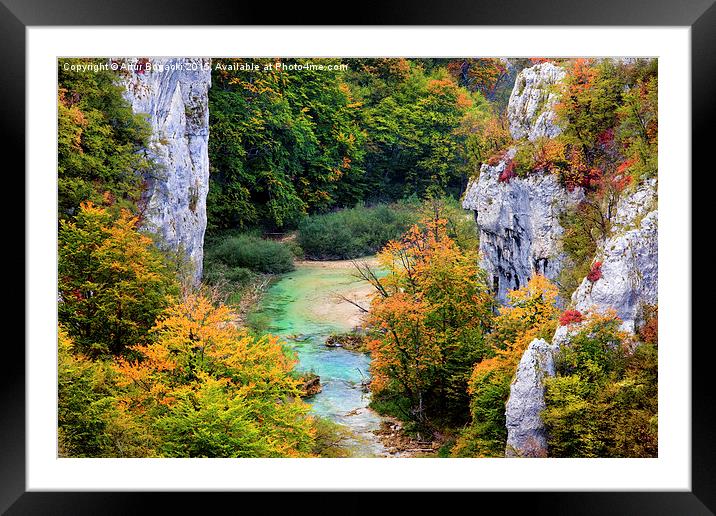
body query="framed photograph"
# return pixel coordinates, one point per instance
(378, 254)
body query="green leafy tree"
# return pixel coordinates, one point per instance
(603, 401)
(113, 281)
(100, 141)
(284, 142)
(90, 422)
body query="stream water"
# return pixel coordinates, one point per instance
(305, 307)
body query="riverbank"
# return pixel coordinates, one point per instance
(305, 308)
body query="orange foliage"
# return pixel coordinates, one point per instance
(431, 307)
(531, 313)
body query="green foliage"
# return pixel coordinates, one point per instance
(582, 231)
(244, 251)
(330, 439)
(283, 143)
(609, 115)
(588, 105)
(638, 130)
(603, 402)
(487, 434)
(89, 421)
(213, 421)
(113, 281)
(99, 141)
(415, 135)
(216, 272)
(354, 232)
(390, 402)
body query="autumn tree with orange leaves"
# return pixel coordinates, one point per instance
(430, 316)
(207, 388)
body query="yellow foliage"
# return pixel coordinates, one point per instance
(531, 313)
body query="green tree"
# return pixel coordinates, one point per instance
(284, 143)
(113, 281)
(100, 141)
(90, 422)
(414, 133)
(603, 401)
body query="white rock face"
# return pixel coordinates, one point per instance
(174, 95)
(519, 225)
(530, 109)
(629, 259)
(526, 435)
(518, 219)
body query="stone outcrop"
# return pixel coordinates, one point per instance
(173, 93)
(530, 108)
(526, 435)
(629, 261)
(520, 233)
(518, 219)
(519, 225)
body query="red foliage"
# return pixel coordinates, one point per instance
(606, 137)
(570, 317)
(596, 272)
(649, 331)
(539, 60)
(508, 173)
(620, 182)
(496, 158)
(592, 178)
(142, 65)
(626, 165)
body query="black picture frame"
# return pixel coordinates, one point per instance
(16, 15)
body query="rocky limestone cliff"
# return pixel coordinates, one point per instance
(173, 93)
(530, 109)
(518, 220)
(526, 436)
(629, 258)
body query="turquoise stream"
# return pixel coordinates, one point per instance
(305, 307)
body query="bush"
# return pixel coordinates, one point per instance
(596, 272)
(354, 232)
(603, 401)
(570, 316)
(251, 252)
(216, 272)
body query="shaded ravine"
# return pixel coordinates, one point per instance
(304, 307)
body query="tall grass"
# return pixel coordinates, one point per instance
(353, 232)
(245, 251)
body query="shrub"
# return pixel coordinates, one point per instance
(596, 272)
(649, 330)
(254, 253)
(112, 280)
(354, 232)
(603, 401)
(508, 173)
(570, 317)
(216, 272)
